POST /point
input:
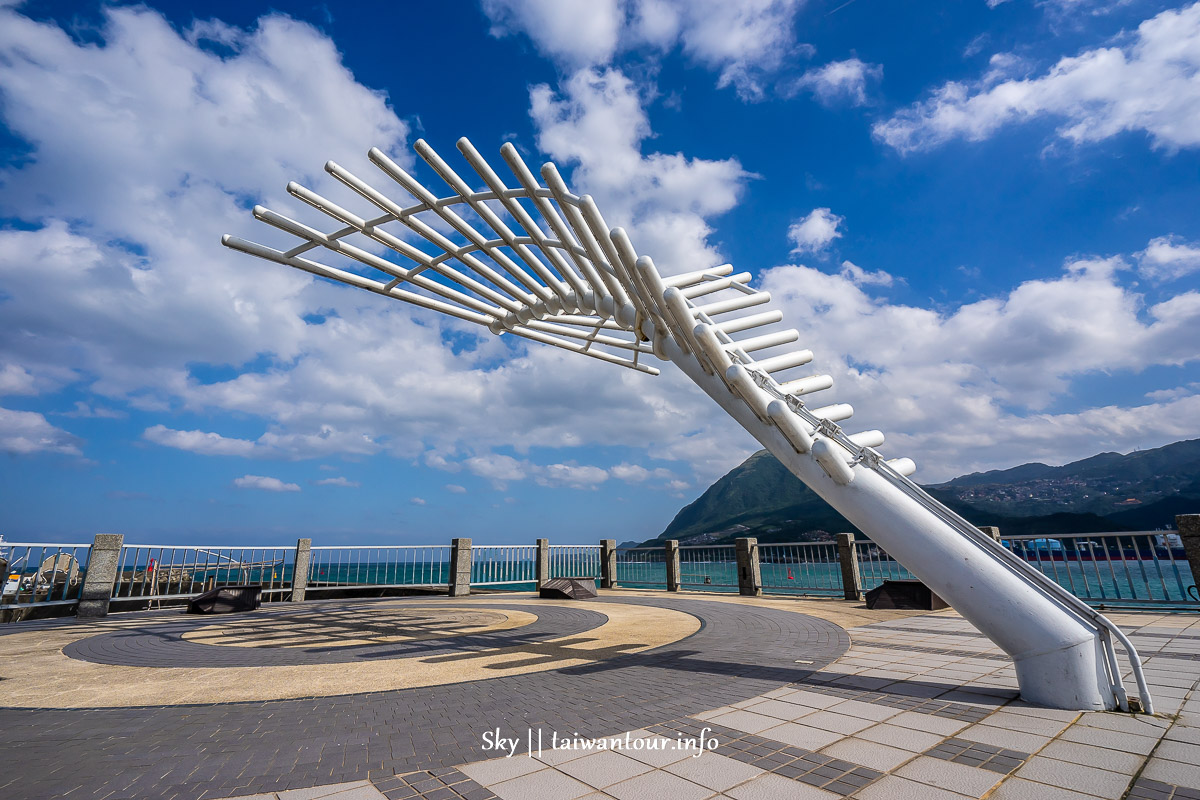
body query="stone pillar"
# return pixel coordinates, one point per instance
(992, 531)
(543, 562)
(749, 571)
(851, 577)
(101, 574)
(300, 569)
(672, 557)
(460, 567)
(608, 563)
(1189, 532)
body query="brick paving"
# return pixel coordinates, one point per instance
(246, 748)
(926, 709)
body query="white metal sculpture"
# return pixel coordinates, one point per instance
(540, 262)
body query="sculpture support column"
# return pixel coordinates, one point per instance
(749, 570)
(608, 563)
(991, 530)
(851, 575)
(672, 558)
(543, 562)
(101, 575)
(460, 567)
(300, 569)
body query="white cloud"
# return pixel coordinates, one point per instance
(84, 411)
(574, 476)
(338, 481)
(27, 432)
(839, 81)
(16, 380)
(502, 470)
(636, 473)
(264, 483)
(861, 277)
(1148, 81)
(454, 488)
(208, 444)
(573, 32)
(271, 444)
(745, 42)
(152, 146)
(966, 388)
(417, 501)
(1169, 257)
(815, 232)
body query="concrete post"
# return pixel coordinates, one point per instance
(992, 531)
(460, 567)
(848, 557)
(1189, 532)
(608, 563)
(101, 575)
(300, 569)
(672, 557)
(749, 570)
(543, 562)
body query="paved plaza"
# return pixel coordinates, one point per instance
(634, 695)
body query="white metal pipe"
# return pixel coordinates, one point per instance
(1058, 657)
(802, 386)
(834, 413)
(767, 340)
(734, 304)
(867, 438)
(833, 462)
(790, 425)
(419, 192)
(905, 466)
(688, 278)
(711, 287)
(752, 321)
(250, 248)
(714, 352)
(796, 358)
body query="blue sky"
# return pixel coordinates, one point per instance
(981, 215)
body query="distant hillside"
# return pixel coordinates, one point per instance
(1106, 492)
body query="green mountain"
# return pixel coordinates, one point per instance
(1106, 492)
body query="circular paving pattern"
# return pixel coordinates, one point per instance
(333, 635)
(601, 681)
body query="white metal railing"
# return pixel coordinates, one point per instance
(708, 566)
(875, 566)
(575, 561)
(800, 568)
(41, 573)
(642, 567)
(1112, 568)
(167, 572)
(378, 567)
(501, 564)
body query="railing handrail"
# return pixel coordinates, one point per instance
(1028, 537)
(830, 543)
(707, 546)
(382, 547)
(216, 547)
(6, 544)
